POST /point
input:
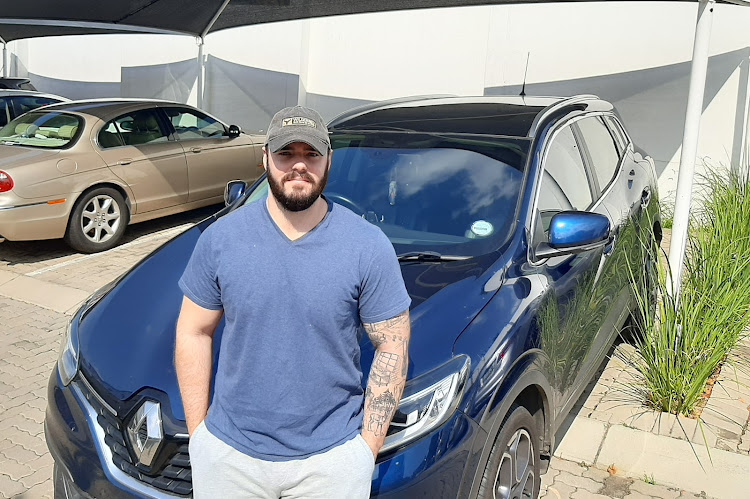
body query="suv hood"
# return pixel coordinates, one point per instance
(127, 339)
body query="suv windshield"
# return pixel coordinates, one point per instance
(42, 129)
(454, 195)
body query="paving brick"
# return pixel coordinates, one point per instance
(35, 444)
(638, 495)
(579, 482)
(568, 467)
(9, 487)
(585, 494)
(44, 490)
(655, 490)
(560, 490)
(596, 474)
(19, 454)
(16, 470)
(41, 475)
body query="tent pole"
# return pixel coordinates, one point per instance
(686, 172)
(5, 59)
(201, 71)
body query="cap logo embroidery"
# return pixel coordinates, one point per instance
(297, 121)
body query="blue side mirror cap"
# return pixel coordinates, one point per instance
(573, 232)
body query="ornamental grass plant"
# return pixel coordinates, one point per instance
(682, 343)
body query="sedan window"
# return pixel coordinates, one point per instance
(189, 124)
(49, 130)
(136, 128)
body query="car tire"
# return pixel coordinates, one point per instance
(512, 469)
(98, 220)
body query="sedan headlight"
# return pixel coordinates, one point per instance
(428, 401)
(67, 363)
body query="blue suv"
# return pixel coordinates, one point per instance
(518, 223)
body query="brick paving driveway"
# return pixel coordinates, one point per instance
(31, 330)
(30, 336)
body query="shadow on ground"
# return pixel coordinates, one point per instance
(24, 252)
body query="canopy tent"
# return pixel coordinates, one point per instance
(39, 18)
(36, 18)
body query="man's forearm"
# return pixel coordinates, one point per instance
(192, 361)
(387, 378)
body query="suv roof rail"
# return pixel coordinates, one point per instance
(366, 108)
(556, 108)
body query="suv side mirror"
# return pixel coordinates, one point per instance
(233, 191)
(572, 232)
(234, 131)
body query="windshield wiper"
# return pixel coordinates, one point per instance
(10, 143)
(428, 256)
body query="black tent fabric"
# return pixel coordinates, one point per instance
(38, 18)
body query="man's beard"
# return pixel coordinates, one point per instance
(297, 201)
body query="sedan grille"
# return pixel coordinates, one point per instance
(173, 475)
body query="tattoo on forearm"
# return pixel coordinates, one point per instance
(381, 410)
(384, 368)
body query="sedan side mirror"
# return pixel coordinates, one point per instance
(234, 131)
(233, 191)
(572, 232)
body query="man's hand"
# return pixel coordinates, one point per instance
(387, 377)
(192, 359)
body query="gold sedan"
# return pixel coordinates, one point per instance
(84, 170)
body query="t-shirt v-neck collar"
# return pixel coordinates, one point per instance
(305, 236)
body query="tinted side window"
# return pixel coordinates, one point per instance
(25, 104)
(601, 148)
(189, 124)
(564, 182)
(140, 127)
(5, 116)
(618, 133)
(109, 136)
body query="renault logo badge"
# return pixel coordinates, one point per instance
(145, 432)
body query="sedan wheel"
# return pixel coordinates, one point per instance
(512, 470)
(98, 221)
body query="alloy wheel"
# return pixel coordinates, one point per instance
(515, 475)
(100, 218)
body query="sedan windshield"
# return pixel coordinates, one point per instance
(456, 196)
(47, 130)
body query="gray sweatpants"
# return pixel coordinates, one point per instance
(219, 470)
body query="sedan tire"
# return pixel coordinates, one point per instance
(513, 467)
(98, 221)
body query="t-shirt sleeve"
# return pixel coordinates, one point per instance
(199, 281)
(383, 294)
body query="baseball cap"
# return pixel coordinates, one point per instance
(298, 124)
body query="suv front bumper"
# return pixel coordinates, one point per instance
(433, 466)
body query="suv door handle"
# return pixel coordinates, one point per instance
(125, 161)
(196, 149)
(646, 196)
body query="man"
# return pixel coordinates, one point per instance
(296, 279)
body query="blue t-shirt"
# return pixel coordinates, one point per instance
(288, 383)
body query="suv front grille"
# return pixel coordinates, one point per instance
(173, 476)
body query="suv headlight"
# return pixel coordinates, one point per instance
(67, 362)
(428, 401)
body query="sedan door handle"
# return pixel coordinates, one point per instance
(125, 161)
(196, 149)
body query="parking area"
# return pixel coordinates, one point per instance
(41, 283)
